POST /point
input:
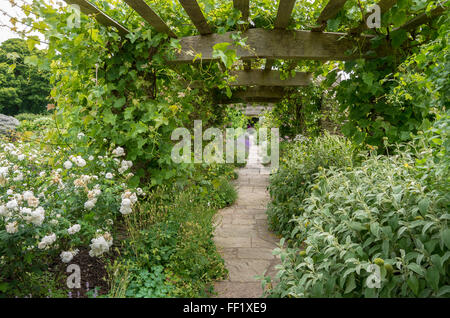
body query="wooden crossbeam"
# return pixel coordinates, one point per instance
(329, 12)
(88, 8)
(195, 14)
(237, 99)
(273, 44)
(384, 5)
(259, 94)
(261, 78)
(269, 64)
(244, 7)
(284, 12)
(272, 78)
(150, 16)
(422, 18)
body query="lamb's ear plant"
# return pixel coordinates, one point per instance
(300, 161)
(379, 229)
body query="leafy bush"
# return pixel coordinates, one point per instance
(34, 123)
(23, 87)
(170, 241)
(226, 193)
(27, 116)
(386, 219)
(300, 161)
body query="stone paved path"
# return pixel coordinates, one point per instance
(242, 234)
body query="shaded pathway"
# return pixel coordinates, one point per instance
(242, 234)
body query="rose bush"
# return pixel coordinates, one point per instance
(54, 202)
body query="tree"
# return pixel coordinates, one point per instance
(23, 87)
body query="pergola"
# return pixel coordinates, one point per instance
(262, 85)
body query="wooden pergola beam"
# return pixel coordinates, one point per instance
(235, 99)
(384, 5)
(150, 16)
(269, 64)
(255, 94)
(260, 92)
(284, 13)
(262, 78)
(273, 44)
(88, 8)
(331, 9)
(272, 78)
(244, 7)
(195, 14)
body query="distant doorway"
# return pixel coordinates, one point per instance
(252, 121)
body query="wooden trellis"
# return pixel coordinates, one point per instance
(278, 43)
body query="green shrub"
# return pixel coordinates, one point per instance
(27, 116)
(227, 193)
(384, 219)
(299, 162)
(170, 250)
(34, 125)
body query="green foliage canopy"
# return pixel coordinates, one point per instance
(23, 86)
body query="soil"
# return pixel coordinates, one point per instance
(93, 275)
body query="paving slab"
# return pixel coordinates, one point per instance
(242, 235)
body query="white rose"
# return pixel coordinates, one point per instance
(68, 164)
(12, 227)
(89, 205)
(118, 152)
(27, 195)
(74, 229)
(37, 216)
(47, 240)
(66, 257)
(99, 246)
(3, 210)
(80, 162)
(125, 209)
(12, 205)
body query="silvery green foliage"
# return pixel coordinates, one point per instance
(299, 163)
(383, 213)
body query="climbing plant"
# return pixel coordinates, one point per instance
(397, 95)
(124, 91)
